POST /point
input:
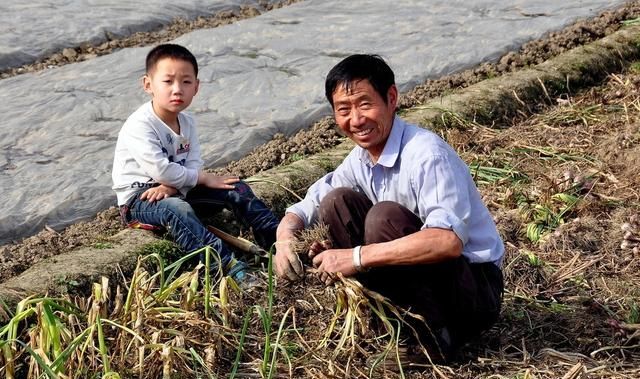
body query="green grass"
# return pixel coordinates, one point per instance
(102, 245)
(635, 67)
(548, 216)
(483, 174)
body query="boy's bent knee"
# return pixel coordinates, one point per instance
(241, 193)
(243, 189)
(175, 205)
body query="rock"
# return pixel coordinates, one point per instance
(69, 53)
(56, 58)
(249, 12)
(508, 58)
(85, 57)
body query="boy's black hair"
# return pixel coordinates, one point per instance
(170, 50)
(359, 67)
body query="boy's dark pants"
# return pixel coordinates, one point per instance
(245, 205)
(455, 296)
(181, 217)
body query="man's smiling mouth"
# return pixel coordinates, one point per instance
(363, 132)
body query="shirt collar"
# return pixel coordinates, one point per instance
(391, 149)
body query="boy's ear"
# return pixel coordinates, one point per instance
(197, 86)
(146, 84)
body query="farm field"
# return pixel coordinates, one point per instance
(560, 179)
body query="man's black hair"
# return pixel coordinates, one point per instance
(170, 50)
(359, 67)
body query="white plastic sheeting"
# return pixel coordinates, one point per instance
(33, 29)
(259, 77)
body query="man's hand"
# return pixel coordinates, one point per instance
(217, 182)
(288, 263)
(318, 247)
(158, 193)
(330, 262)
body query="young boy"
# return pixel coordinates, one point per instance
(157, 169)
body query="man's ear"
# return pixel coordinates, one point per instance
(146, 84)
(392, 97)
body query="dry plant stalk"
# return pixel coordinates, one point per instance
(304, 239)
(555, 290)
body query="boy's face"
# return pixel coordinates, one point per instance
(172, 84)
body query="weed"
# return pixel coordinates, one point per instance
(163, 248)
(490, 174)
(556, 307)
(633, 316)
(296, 157)
(571, 114)
(631, 22)
(634, 67)
(533, 259)
(102, 245)
(548, 216)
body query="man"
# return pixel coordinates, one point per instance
(404, 214)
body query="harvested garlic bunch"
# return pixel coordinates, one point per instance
(631, 229)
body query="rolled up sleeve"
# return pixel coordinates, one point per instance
(307, 209)
(443, 195)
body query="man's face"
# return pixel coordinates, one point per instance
(364, 116)
(172, 85)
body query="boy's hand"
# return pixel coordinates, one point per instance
(158, 193)
(218, 182)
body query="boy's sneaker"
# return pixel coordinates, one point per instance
(239, 272)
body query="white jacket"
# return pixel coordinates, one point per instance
(148, 153)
